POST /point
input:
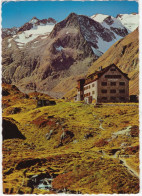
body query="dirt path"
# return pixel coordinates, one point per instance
(101, 122)
(123, 131)
(123, 161)
(116, 154)
(130, 170)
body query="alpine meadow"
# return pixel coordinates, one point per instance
(70, 97)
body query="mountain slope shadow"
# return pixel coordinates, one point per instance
(10, 130)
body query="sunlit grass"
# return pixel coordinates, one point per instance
(84, 167)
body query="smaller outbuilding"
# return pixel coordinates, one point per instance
(134, 98)
(45, 102)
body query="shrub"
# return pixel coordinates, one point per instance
(134, 131)
(63, 181)
(132, 150)
(101, 143)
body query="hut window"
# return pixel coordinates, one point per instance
(112, 76)
(104, 83)
(112, 69)
(122, 91)
(122, 98)
(122, 83)
(112, 91)
(113, 83)
(113, 98)
(104, 98)
(104, 91)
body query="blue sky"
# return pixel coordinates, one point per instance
(18, 13)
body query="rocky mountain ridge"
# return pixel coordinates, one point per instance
(9, 32)
(34, 23)
(129, 21)
(50, 58)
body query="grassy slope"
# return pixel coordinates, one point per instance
(79, 163)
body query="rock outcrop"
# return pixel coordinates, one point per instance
(10, 130)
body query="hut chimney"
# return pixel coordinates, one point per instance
(100, 68)
(81, 84)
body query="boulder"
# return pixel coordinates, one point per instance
(36, 179)
(26, 96)
(15, 110)
(66, 137)
(134, 131)
(5, 92)
(86, 136)
(48, 135)
(29, 162)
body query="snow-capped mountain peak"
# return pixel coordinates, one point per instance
(30, 31)
(108, 21)
(34, 20)
(130, 21)
(99, 17)
(100, 31)
(48, 52)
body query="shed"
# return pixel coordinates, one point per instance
(134, 98)
(45, 102)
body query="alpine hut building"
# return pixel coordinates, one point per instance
(109, 84)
